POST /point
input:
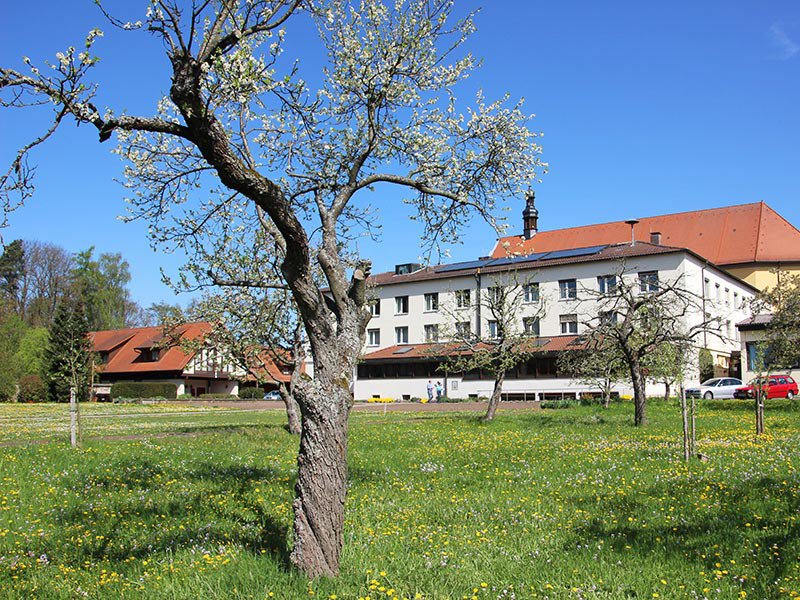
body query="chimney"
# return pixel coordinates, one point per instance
(655, 238)
(632, 223)
(530, 216)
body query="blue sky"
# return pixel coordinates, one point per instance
(646, 108)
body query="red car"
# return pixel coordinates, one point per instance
(778, 386)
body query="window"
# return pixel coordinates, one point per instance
(149, 354)
(375, 308)
(432, 302)
(727, 297)
(401, 335)
(463, 329)
(567, 289)
(719, 292)
(735, 299)
(431, 333)
(707, 287)
(569, 323)
(648, 281)
(607, 284)
(531, 291)
(494, 330)
(530, 325)
(401, 305)
(608, 317)
(495, 295)
(373, 337)
(728, 329)
(462, 299)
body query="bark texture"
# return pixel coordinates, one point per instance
(639, 398)
(499, 379)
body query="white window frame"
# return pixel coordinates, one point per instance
(432, 332)
(463, 298)
(398, 302)
(432, 302)
(568, 289)
(373, 333)
(401, 334)
(567, 321)
(530, 330)
(531, 292)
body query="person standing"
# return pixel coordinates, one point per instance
(430, 391)
(439, 391)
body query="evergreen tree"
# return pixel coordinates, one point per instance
(12, 269)
(69, 352)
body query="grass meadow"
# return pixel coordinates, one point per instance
(173, 503)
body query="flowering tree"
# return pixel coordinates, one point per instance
(632, 320)
(597, 363)
(241, 142)
(505, 343)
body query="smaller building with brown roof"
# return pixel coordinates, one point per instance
(159, 354)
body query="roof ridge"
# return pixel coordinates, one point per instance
(684, 212)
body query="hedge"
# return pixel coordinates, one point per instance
(142, 389)
(251, 392)
(219, 397)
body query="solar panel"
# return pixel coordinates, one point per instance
(575, 252)
(518, 259)
(473, 264)
(404, 350)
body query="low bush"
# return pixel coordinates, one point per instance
(143, 389)
(250, 393)
(219, 397)
(32, 389)
(380, 400)
(185, 396)
(450, 400)
(559, 403)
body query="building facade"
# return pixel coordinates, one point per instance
(154, 354)
(416, 310)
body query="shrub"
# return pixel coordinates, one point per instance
(143, 389)
(380, 400)
(452, 400)
(706, 365)
(559, 403)
(32, 389)
(250, 393)
(219, 397)
(185, 396)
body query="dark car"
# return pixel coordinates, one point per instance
(777, 386)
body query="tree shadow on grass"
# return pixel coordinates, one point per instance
(133, 515)
(726, 530)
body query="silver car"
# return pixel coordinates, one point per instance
(719, 387)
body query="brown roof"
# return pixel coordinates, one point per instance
(123, 347)
(610, 252)
(755, 322)
(271, 364)
(747, 233)
(431, 351)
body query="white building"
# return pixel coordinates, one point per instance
(416, 307)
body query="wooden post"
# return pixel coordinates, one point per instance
(685, 419)
(74, 428)
(693, 441)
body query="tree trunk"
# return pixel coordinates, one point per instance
(667, 389)
(499, 378)
(759, 410)
(321, 487)
(692, 430)
(639, 398)
(292, 409)
(74, 419)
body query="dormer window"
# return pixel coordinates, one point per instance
(150, 354)
(103, 356)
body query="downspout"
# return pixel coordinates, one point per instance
(705, 322)
(478, 302)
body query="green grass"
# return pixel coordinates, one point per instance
(574, 503)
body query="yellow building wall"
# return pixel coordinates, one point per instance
(763, 276)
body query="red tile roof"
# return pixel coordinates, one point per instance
(270, 367)
(432, 351)
(122, 347)
(731, 235)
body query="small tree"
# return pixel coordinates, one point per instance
(506, 342)
(706, 363)
(595, 363)
(69, 361)
(252, 325)
(633, 319)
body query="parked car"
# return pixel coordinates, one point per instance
(273, 395)
(777, 386)
(719, 387)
